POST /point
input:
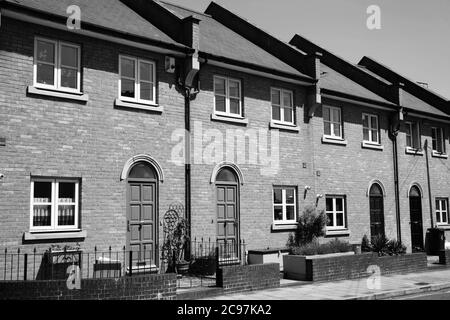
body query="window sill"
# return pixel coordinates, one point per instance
(436, 154)
(284, 126)
(329, 140)
(337, 232)
(443, 226)
(55, 235)
(371, 145)
(138, 105)
(284, 226)
(231, 119)
(417, 152)
(61, 94)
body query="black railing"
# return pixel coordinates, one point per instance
(203, 258)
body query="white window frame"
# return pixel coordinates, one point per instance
(283, 204)
(282, 93)
(411, 125)
(57, 66)
(137, 80)
(227, 97)
(370, 117)
(441, 212)
(54, 204)
(334, 212)
(442, 142)
(333, 123)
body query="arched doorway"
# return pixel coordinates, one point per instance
(142, 215)
(376, 210)
(227, 204)
(415, 210)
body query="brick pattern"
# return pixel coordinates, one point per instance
(350, 267)
(249, 278)
(91, 141)
(444, 257)
(146, 287)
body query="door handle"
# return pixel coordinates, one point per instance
(128, 225)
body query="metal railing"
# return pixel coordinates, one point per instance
(203, 258)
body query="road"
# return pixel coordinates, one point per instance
(438, 295)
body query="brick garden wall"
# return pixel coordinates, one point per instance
(146, 287)
(355, 266)
(248, 278)
(444, 257)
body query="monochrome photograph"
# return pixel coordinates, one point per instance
(224, 155)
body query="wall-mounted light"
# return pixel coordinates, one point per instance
(307, 188)
(319, 196)
(2, 176)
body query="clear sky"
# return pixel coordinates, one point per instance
(414, 38)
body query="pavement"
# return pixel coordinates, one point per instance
(436, 278)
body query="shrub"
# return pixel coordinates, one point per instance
(311, 225)
(379, 245)
(396, 247)
(365, 244)
(314, 248)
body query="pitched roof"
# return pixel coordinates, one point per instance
(333, 80)
(412, 102)
(109, 14)
(220, 41)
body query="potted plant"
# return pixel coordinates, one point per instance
(175, 244)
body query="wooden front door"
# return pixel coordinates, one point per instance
(142, 217)
(415, 209)
(376, 211)
(228, 221)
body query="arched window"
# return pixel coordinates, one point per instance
(414, 192)
(142, 170)
(376, 191)
(226, 175)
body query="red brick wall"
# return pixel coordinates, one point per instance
(91, 141)
(248, 278)
(148, 287)
(256, 216)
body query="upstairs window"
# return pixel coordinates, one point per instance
(56, 65)
(413, 135)
(137, 80)
(437, 135)
(282, 106)
(227, 96)
(332, 122)
(284, 205)
(442, 211)
(370, 128)
(54, 204)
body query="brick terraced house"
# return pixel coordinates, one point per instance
(104, 128)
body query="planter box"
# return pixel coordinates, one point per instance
(265, 256)
(344, 266)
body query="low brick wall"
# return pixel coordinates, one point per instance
(141, 287)
(444, 257)
(248, 278)
(356, 266)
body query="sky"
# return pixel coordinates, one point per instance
(413, 40)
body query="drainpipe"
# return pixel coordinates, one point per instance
(189, 89)
(394, 130)
(430, 200)
(397, 189)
